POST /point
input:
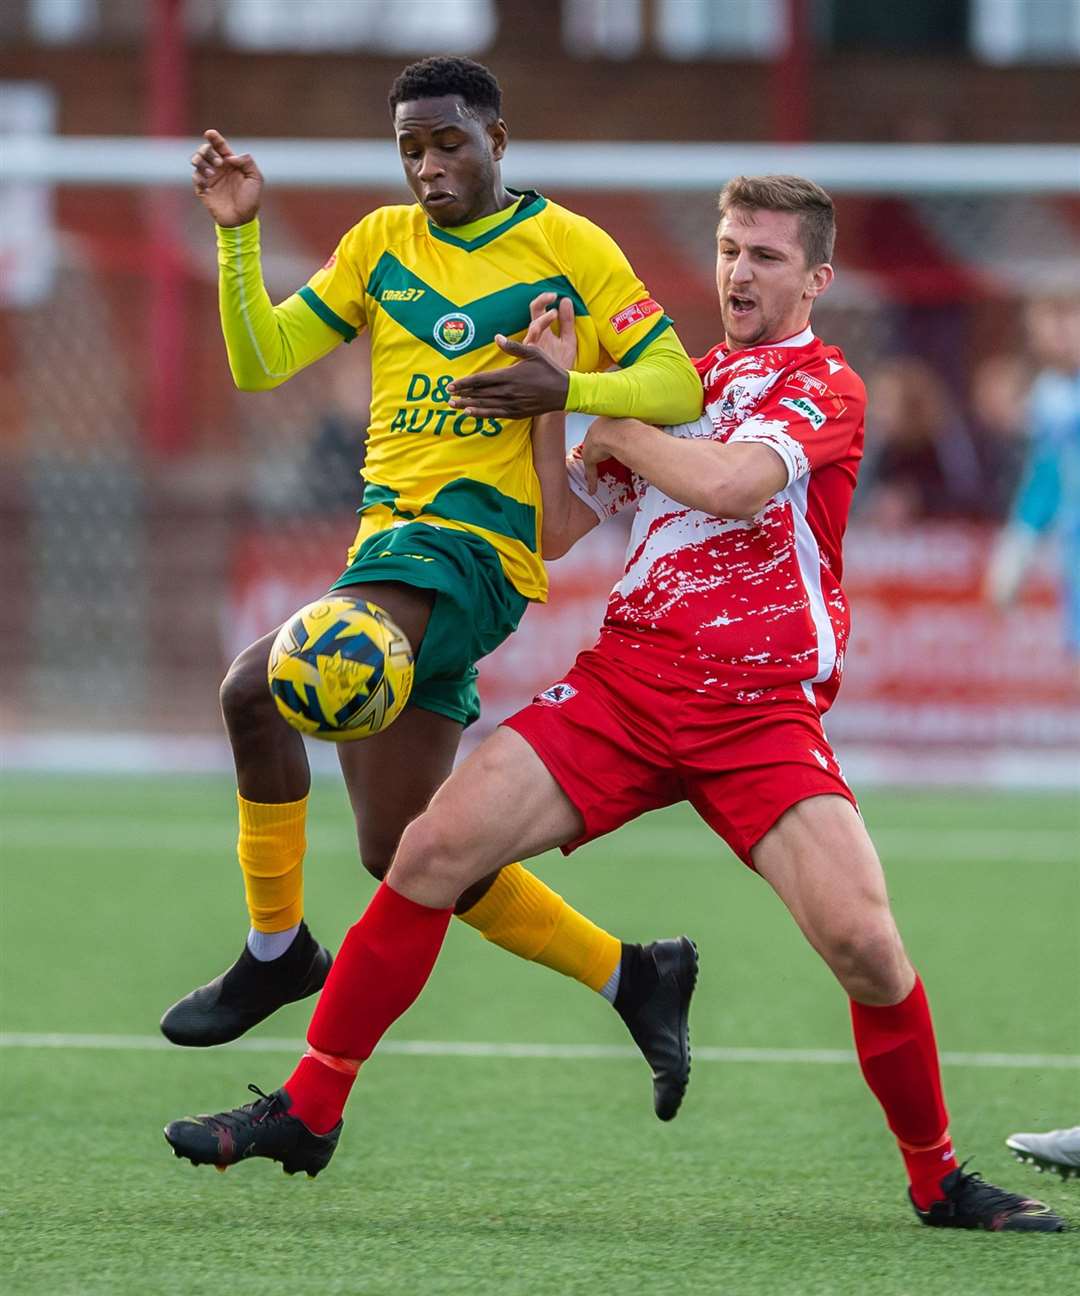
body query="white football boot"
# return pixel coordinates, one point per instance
(1056, 1150)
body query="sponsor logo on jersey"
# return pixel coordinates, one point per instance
(834, 365)
(557, 694)
(635, 314)
(418, 415)
(800, 378)
(401, 294)
(805, 406)
(454, 331)
(330, 261)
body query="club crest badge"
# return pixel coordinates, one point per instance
(556, 694)
(455, 331)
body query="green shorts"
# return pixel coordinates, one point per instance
(475, 609)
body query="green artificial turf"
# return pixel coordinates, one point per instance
(522, 1175)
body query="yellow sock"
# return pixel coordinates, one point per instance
(271, 853)
(526, 917)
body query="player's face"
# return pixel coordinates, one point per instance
(451, 158)
(766, 287)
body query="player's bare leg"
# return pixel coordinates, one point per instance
(820, 860)
(269, 756)
(501, 804)
(392, 777)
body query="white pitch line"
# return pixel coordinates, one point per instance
(573, 1052)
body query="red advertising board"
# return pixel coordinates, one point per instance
(935, 671)
(937, 683)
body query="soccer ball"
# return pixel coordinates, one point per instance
(340, 669)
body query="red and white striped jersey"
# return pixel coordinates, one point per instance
(745, 609)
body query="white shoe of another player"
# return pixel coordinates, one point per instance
(1056, 1150)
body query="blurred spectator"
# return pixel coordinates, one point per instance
(1049, 496)
(920, 461)
(999, 393)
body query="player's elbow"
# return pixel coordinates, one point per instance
(746, 509)
(689, 397)
(730, 497)
(248, 381)
(553, 544)
(558, 535)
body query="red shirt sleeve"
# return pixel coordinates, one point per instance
(811, 417)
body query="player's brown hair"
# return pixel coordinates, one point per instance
(788, 193)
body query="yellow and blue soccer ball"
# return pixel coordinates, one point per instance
(340, 669)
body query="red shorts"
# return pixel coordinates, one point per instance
(618, 746)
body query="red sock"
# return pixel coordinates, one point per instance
(382, 966)
(898, 1056)
(319, 1092)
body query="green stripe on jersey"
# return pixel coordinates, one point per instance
(376, 494)
(324, 313)
(451, 328)
(466, 500)
(481, 505)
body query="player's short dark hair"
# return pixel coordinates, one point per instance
(432, 78)
(788, 193)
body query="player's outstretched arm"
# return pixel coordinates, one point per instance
(266, 344)
(565, 518)
(727, 481)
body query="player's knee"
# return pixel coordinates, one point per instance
(431, 853)
(376, 854)
(244, 689)
(868, 959)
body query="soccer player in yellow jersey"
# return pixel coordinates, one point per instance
(448, 543)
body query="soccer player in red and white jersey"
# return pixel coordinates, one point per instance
(721, 647)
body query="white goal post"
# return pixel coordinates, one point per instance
(318, 163)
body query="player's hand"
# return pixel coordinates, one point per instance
(559, 346)
(229, 185)
(537, 384)
(596, 448)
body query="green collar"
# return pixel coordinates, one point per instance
(530, 203)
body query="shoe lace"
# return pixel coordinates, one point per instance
(265, 1107)
(973, 1192)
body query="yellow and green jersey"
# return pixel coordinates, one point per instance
(433, 300)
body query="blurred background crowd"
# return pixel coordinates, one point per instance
(154, 519)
